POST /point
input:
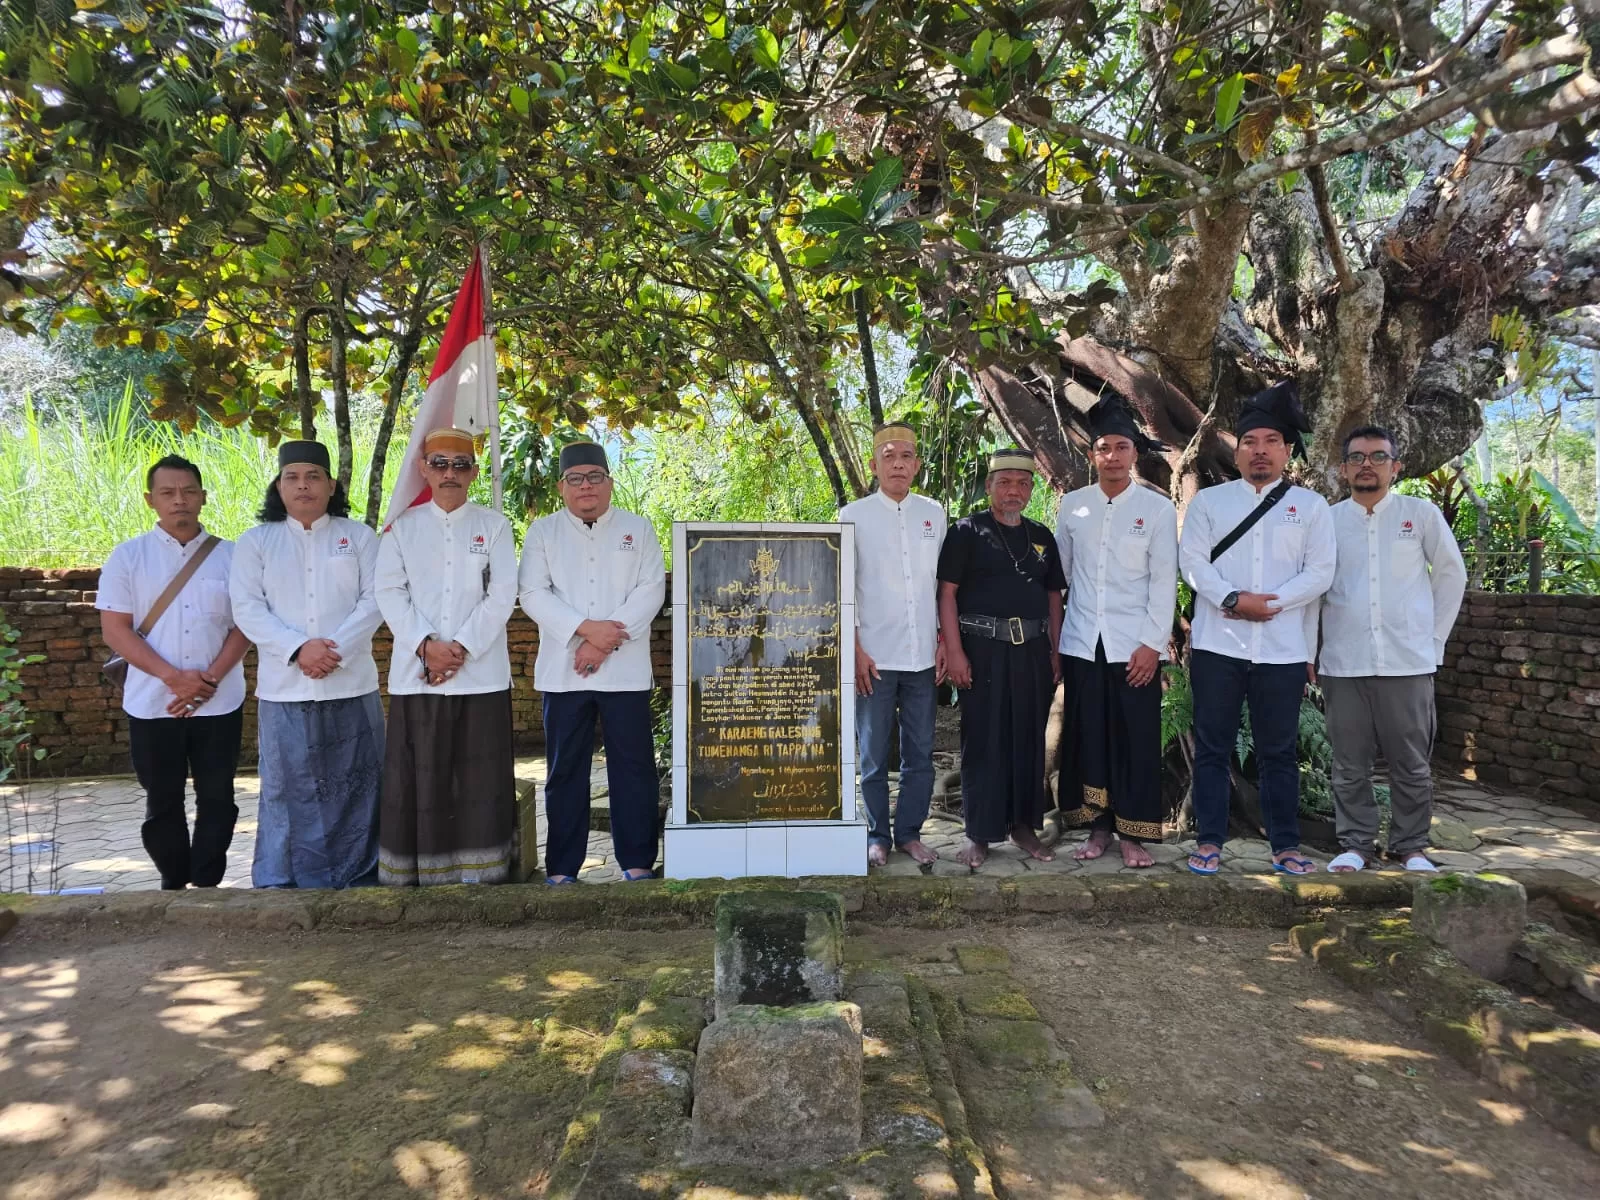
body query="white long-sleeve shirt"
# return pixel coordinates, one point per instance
(450, 576)
(1120, 558)
(290, 584)
(897, 578)
(571, 572)
(1396, 590)
(1290, 552)
(190, 633)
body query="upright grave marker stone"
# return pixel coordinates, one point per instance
(763, 702)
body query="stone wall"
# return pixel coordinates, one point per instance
(1519, 694)
(78, 715)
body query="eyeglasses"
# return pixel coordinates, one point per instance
(1377, 458)
(461, 464)
(592, 478)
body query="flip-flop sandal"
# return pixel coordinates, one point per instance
(629, 877)
(1422, 864)
(1293, 864)
(558, 880)
(1212, 857)
(1351, 860)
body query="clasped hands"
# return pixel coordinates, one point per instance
(190, 689)
(1253, 606)
(601, 639)
(441, 660)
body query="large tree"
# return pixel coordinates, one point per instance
(1178, 201)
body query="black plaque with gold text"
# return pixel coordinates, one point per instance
(764, 679)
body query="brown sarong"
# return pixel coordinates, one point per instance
(449, 792)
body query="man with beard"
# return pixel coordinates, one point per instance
(898, 658)
(447, 582)
(1119, 552)
(303, 591)
(1258, 553)
(1000, 586)
(593, 577)
(1395, 595)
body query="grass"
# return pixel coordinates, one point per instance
(72, 483)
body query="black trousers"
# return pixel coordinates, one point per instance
(166, 752)
(569, 723)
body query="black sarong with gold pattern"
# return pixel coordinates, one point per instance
(1110, 749)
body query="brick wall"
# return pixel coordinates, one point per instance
(1519, 694)
(78, 715)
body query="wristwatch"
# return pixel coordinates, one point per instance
(1230, 601)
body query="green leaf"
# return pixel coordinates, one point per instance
(824, 144)
(737, 111)
(968, 238)
(519, 100)
(80, 66)
(832, 218)
(406, 39)
(639, 48)
(1229, 93)
(881, 181)
(815, 256)
(979, 58)
(764, 48)
(1017, 141)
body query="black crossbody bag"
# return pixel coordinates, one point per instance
(1249, 523)
(1225, 543)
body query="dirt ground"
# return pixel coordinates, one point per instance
(342, 1065)
(190, 1065)
(1229, 1067)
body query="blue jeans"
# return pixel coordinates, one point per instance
(1273, 690)
(912, 693)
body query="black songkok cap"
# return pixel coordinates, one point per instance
(1111, 416)
(583, 454)
(1276, 408)
(293, 453)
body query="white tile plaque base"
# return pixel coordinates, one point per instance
(715, 850)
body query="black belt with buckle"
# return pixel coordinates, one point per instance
(1002, 629)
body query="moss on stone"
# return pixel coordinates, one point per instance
(1016, 1045)
(978, 960)
(993, 996)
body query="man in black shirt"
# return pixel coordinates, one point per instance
(1000, 585)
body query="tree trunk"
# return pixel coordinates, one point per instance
(305, 399)
(405, 351)
(869, 357)
(341, 399)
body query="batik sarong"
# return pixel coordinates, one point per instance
(321, 770)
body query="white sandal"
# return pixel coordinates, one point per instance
(1421, 863)
(1350, 860)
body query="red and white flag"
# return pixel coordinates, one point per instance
(463, 392)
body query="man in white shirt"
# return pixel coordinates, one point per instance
(447, 582)
(898, 656)
(1119, 553)
(302, 588)
(1395, 595)
(184, 692)
(1251, 636)
(593, 577)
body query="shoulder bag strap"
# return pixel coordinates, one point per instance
(185, 573)
(1255, 514)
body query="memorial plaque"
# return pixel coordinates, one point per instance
(764, 701)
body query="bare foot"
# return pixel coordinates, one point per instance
(877, 854)
(919, 852)
(1099, 839)
(1135, 855)
(972, 854)
(1027, 841)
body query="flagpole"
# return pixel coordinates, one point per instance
(494, 400)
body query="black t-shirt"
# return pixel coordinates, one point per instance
(1001, 570)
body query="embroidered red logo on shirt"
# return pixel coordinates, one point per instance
(1405, 525)
(478, 541)
(1292, 508)
(344, 541)
(627, 539)
(1139, 523)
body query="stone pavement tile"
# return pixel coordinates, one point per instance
(1459, 860)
